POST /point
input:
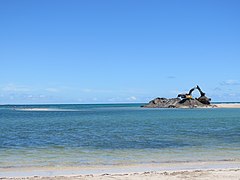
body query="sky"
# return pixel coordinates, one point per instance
(109, 51)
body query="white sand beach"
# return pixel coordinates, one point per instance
(169, 171)
(213, 174)
(228, 105)
(222, 174)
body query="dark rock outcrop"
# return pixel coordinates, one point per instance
(163, 103)
(175, 103)
(186, 101)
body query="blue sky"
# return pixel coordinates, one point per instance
(71, 51)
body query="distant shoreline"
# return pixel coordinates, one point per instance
(104, 103)
(227, 105)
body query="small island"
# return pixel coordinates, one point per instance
(184, 100)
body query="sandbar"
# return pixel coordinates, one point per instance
(227, 105)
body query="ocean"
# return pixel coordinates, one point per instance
(115, 134)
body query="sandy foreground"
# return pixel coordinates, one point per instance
(231, 174)
(220, 174)
(169, 171)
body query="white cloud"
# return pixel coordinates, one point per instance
(52, 89)
(230, 82)
(14, 88)
(228, 97)
(115, 99)
(132, 98)
(42, 96)
(88, 90)
(30, 96)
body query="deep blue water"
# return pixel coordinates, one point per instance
(71, 135)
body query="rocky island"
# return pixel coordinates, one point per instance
(182, 101)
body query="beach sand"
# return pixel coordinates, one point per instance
(219, 174)
(169, 171)
(228, 105)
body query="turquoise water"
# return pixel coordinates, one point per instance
(106, 134)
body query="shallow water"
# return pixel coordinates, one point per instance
(105, 134)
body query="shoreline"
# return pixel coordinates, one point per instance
(227, 105)
(222, 174)
(212, 105)
(228, 167)
(134, 171)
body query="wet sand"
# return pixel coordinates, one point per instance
(220, 174)
(169, 171)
